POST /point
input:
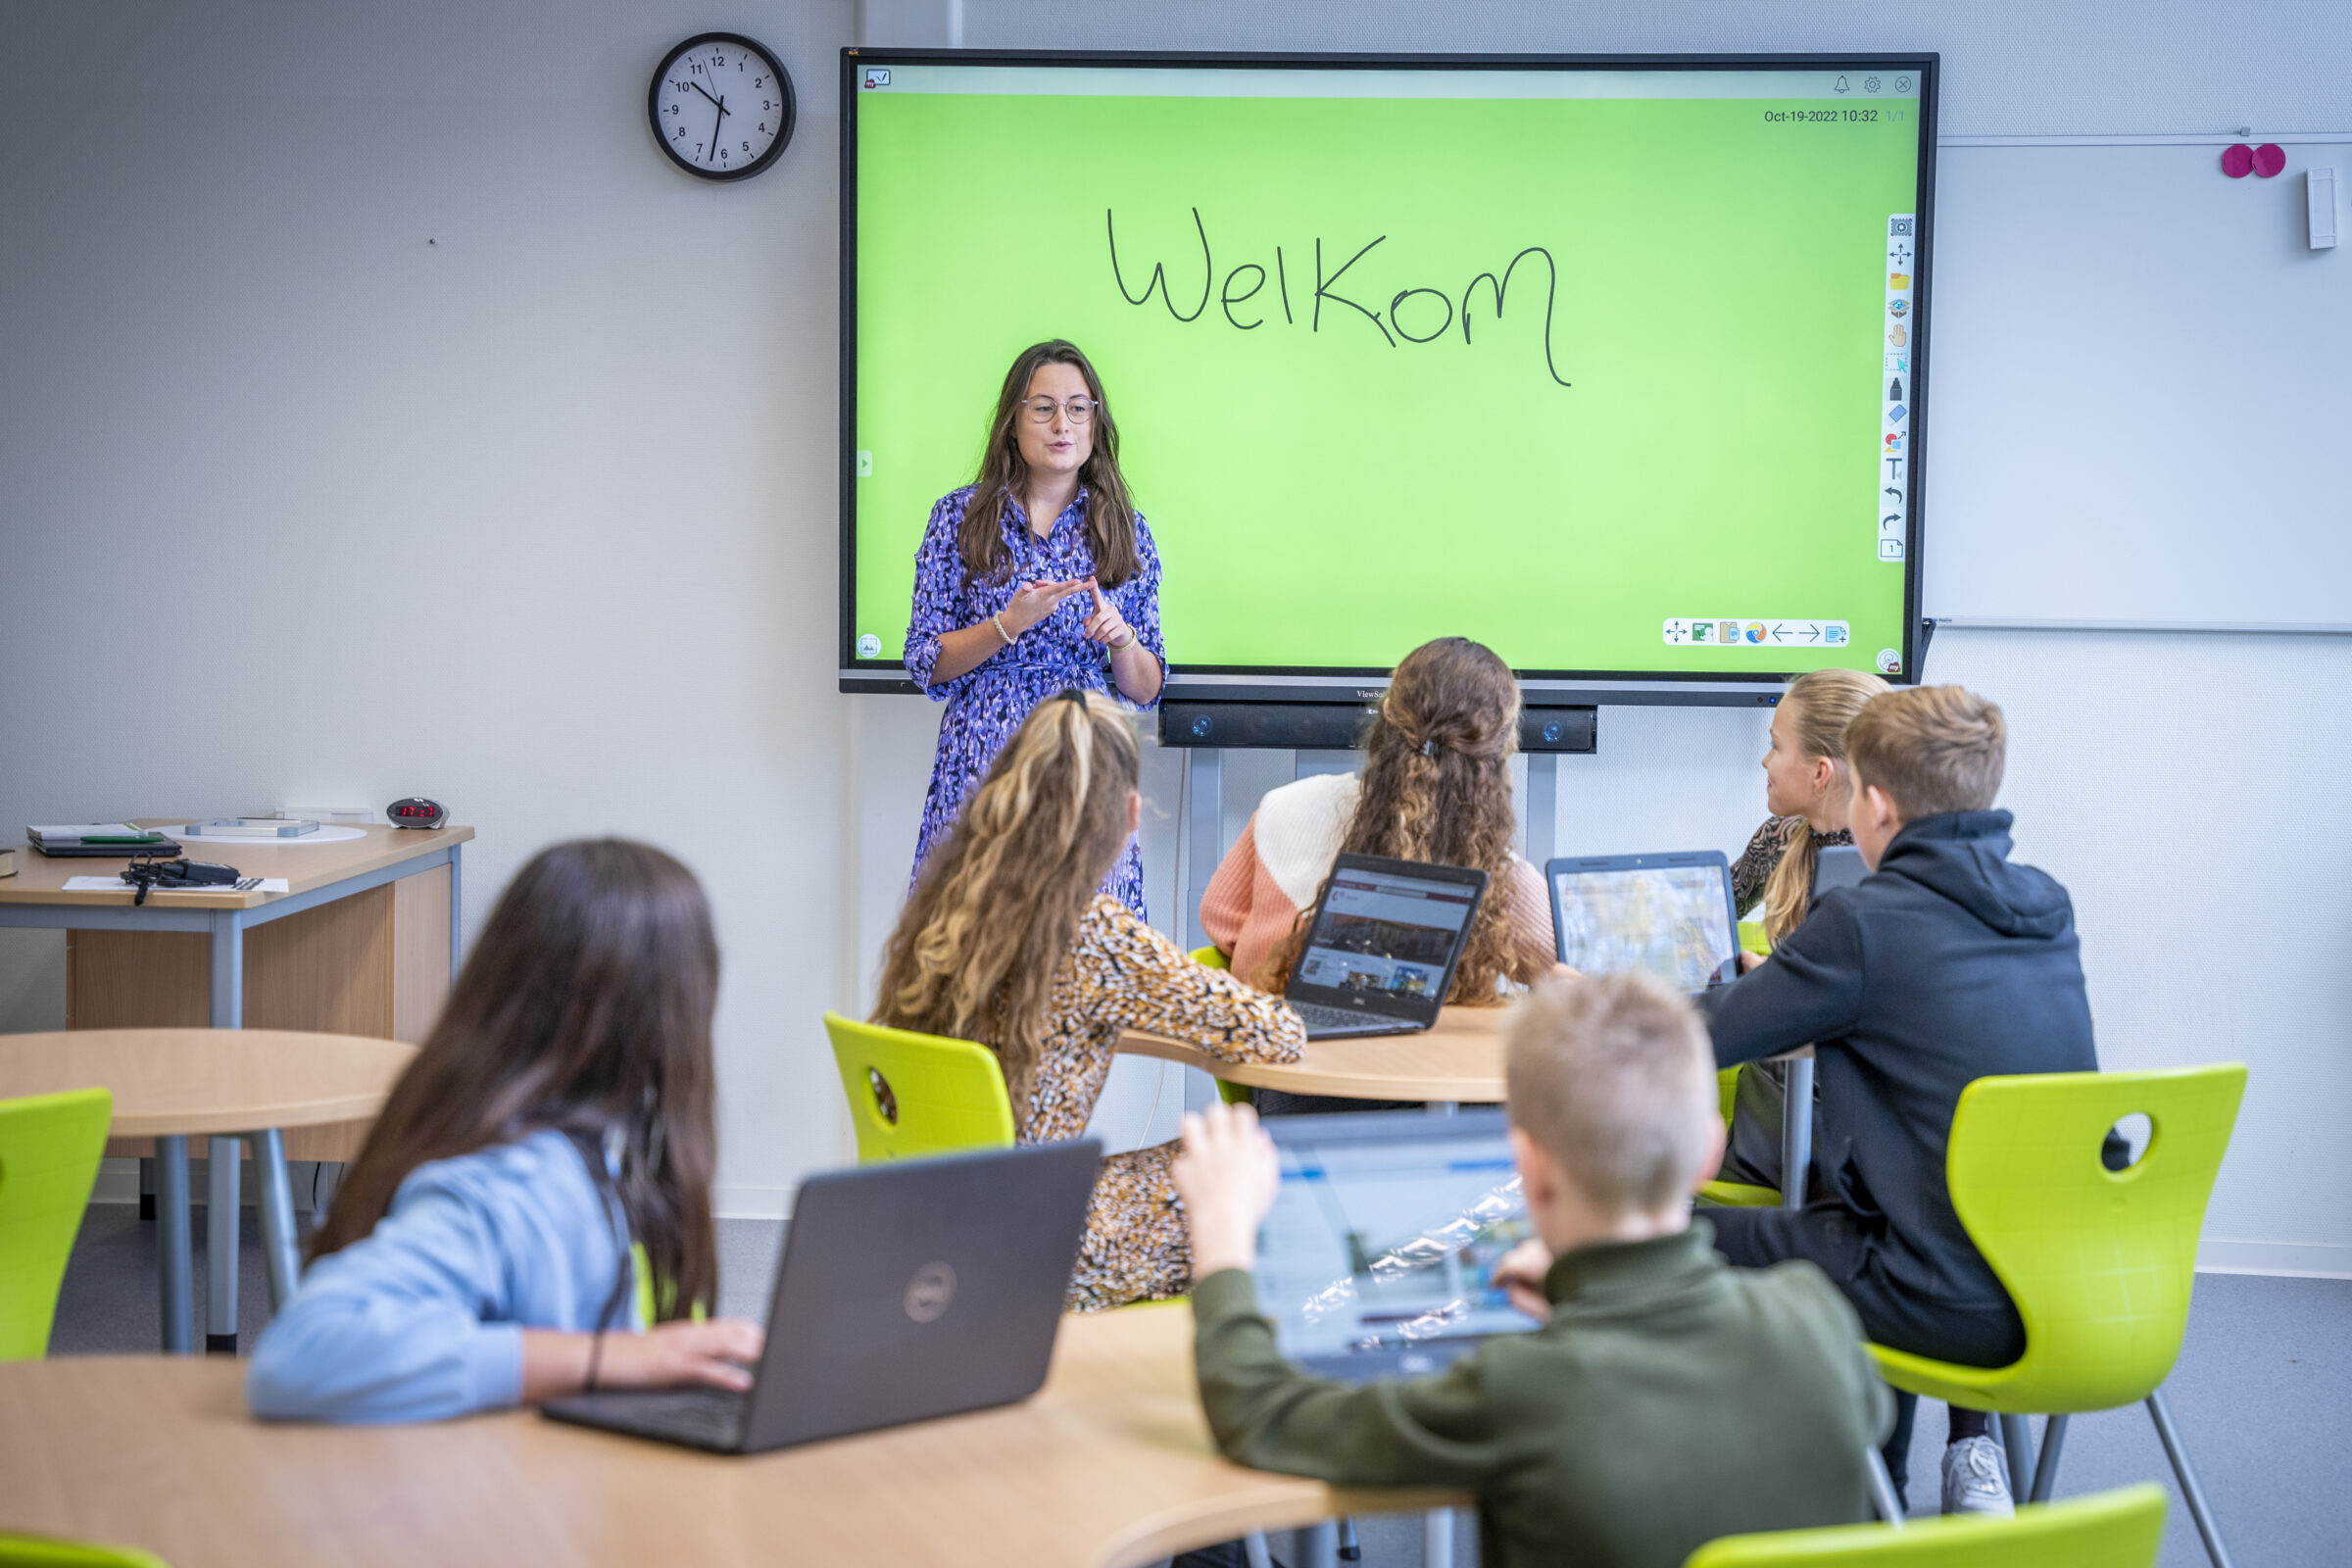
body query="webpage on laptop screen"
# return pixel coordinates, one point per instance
(1670, 920)
(1379, 1243)
(1382, 932)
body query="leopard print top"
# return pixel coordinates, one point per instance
(1122, 975)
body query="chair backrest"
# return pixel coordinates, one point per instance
(46, 1551)
(50, 1146)
(2120, 1529)
(1211, 957)
(913, 1095)
(2098, 1261)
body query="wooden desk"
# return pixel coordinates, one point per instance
(1110, 1465)
(1458, 1060)
(363, 942)
(171, 1083)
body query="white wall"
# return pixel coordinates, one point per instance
(539, 517)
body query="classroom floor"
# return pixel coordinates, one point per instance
(2262, 1392)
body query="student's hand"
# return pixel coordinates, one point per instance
(1227, 1177)
(669, 1355)
(1033, 602)
(1105, 625)
(1521, 1276)
(1750, 962)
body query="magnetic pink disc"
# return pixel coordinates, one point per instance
(2237, 159)
(2269, 159)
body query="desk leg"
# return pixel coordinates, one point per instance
(221, 1239)
(278, 1258)
(1437, 1539)
(220, 1221)
(174, 1267)
(457, 920)
(1796, 1133)
(1319, 1545)
(1444, 1108)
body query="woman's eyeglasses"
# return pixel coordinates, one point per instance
(1079, 410)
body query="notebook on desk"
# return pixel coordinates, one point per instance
(1382, 946)
(905, 1292)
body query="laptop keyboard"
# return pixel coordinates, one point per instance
(711, 1415)
(1324, 1020)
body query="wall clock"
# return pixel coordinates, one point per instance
(721, 106)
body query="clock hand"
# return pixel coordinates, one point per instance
(699, 87)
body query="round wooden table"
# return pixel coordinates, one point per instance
(227, 1084)
(1458, 1060)
(1110, 1464)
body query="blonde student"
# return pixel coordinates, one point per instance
(1005, 941)
(478, 1254)
(1665, 1401)
(1435, 787)
(1805, 788)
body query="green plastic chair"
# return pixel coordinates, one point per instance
(914, 1095)
(46, 1551)
(1734, 1195)
(1232, 1094)
(2120, 1529)
(49, 1151)
(2099, 1262)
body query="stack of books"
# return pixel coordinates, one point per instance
(98, 839)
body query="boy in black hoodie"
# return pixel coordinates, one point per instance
(1946, 965)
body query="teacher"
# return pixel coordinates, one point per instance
(1037, 575)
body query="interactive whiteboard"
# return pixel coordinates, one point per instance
(1615, 366)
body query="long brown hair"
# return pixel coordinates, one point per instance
(585, 1006)
(991, 921)
(1820, 704)
(1004, 478)
(1438, 789)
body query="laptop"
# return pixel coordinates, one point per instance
(1669, 914)
(1839, 866)
(1378, 1258)
(1380, 951)
(905, 1292)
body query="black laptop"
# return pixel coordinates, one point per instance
(1380, 951)
(1378, 1259)
(905, 1292)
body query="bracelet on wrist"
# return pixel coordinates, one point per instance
(998, 620)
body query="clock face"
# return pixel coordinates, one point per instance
(721, 106)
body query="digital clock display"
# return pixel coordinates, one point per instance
(415, 810)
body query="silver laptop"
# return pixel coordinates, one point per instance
(905, 1292)
(1378, 1258)
(1839, 866)
(1669, 913)
(1380, 951)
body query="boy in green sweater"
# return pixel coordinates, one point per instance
(1665, 1400)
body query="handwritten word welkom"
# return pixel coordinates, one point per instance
(1418, 313)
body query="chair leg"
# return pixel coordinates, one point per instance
(2198, 1509)
(2045, 1473)
(1351, 1549)
(1881, 1489)
(1253, 1547)
(2017, 1437)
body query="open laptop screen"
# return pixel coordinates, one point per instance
(1385, 1235)
(1391, 932)
(1669, 914)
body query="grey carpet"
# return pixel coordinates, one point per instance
(2262, 1392)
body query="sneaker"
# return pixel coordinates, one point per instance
(1976, 1478)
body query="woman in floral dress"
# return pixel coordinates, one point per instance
(1037, 575)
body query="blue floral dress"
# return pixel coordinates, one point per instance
(985, 706)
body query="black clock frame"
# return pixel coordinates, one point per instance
(652, 106)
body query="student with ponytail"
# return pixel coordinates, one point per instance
(1007, 941)
(479, 1250)
(1806, 789)
(1436, 788)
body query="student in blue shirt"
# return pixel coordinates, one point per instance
(478, 1251)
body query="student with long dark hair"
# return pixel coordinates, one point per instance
(479, 1253)
(1037, 575)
